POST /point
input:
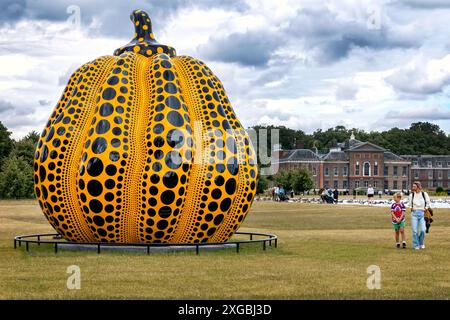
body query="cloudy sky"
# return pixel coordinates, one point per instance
(304, 64)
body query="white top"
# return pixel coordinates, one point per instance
(370, 191)
(419, 202)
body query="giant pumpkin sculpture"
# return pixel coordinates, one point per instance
(144, 146)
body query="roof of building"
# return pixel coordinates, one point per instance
(300, 155)
(389, 156)
(335, 156)
(422, 160)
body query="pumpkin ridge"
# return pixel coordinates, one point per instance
(163, 189)
(214, 201)
(55, 114)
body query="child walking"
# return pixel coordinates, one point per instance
(398, 210)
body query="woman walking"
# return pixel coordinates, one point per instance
(419, 201)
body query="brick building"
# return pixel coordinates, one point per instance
(355, 164)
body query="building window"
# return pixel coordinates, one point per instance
(314, 170)
(430, 184)
(366, 169)
(335, 171)
(395, 185)
(404, 171)
(327, 172)
(336, 184)
(439, 184)
(439, 164)
(429, 164)
(440, 174)
(357, 168)
(356, 184)
(366, 184)
(415, 163)
(448, 174)
(404, 185)
(430, 174)
(416, 174)
(345, 184)
(375, 169)
(386, 171)
(326, 183)
(386, 185)
(345, 173)
(375, 184)
(395, 174)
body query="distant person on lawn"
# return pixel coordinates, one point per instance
(419, 201)
(398, 211)
(335, 195)
(370, 194)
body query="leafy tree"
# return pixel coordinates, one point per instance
(16, 178)
(262, 185)
(25, 149)
(284, 178)
(6, 143)
(301, 180)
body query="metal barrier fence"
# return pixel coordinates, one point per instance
(57, 240)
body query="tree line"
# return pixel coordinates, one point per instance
(420, 138)
(17, 157)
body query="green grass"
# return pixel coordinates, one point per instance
(323, 253)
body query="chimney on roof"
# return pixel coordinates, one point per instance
(352, 137)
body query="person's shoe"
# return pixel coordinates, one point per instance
(404, 245)
(398, 245)
(422, 246)
(416, 248)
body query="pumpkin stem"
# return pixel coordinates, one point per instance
(142, 26)
(144, 42)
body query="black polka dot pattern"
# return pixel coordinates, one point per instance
(144, 147)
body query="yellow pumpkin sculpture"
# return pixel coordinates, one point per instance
(144, 146)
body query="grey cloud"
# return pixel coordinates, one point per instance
(346, 91)
(331, 38)
(44, 102)
(248, 48)
(425, 4)
(6, 106)
(420, 114)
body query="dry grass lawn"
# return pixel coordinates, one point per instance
(323, 253)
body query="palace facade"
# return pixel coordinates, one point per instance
(356, 164)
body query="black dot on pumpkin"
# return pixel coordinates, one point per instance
(211, 232)
(219, 181)
(117, 131)
(158, 128)
(170, 88)
(230, 186)
(158, 142)
(44, 154)
(114, 156)
(113, 80)
(115, 143)
(95, 206)
(94, 167)
(168, 75)
(233, 166)
(165, 212)
(110, 184)
(166, 64)
(172, 101)
(154, 178)
(175, 138)
(109, 94)
(216, 194)
(102, 232)
(212, 206)
(111, 169)
(173, 160)
(170, 179)
(94, 188)
(42, 173)
(162, 224)
(220, 167)
(99, 221)
(99, 145)
(102, 126)
(225, 204)
(167, 197)
(106, 109)
(175, 118)
(218, 219)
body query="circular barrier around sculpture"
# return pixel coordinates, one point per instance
(57, 241)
